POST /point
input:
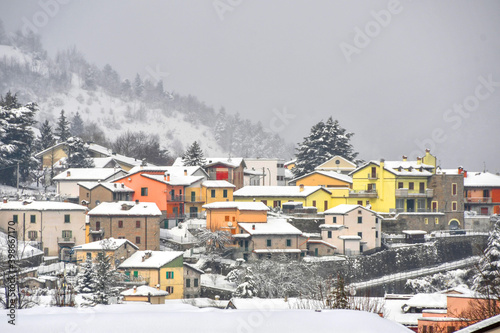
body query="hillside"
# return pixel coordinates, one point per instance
(114, 106)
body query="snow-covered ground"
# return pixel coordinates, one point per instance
(181, 317)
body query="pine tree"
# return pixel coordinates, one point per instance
(62, 129)
(78, 154)
(46, 136)
(248, 288)
(138, 86)
(487, 278)
(77, 126)
(86, 278)
(325, 141)
(105, 279)
(194, 156)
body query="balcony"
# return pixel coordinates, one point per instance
(176, 198)
(363, 194)
(197, 215)
(372, 176)
(479, 200)
(66, 240)
(405, 193)
(194, 199)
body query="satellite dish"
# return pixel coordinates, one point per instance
(229, 224)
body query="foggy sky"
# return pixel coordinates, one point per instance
(284, 63)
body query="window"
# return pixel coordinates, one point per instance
(137, 224)
(170, 275)
(376, 220)
(314, 203)
(136, 273)
(400, 185)
(426, 220)
(138, 240)
(122, 237)
(226, 218)
(33, 218)
(434, 206)
(288, 242)
(66, 218)
(359, 212)
(195, 283)
(88, 194)
(329, 234)
(89, 256)
(454, 206)
(188, 283)
(32, 235)
(98, 226)
(276, 203)
(360, 202)
(335, 219)
(376, 234)
(360, 219)
(360, 234)
(421, 188)
(212, 193)
(67, 234)
(120, 224)
(454, 189)
(224, 193)
(268, 243)
(15, 218)
(411, 186)
(325, 205)
(170, 290)
(234, 218)
(144, 191)
(436, 220)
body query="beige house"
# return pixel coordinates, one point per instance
(352, 229)
(139, 222)
(337, 164)
(276, 237)
(93, 193)
(192, 281)
(117, 249)
(144, 294)
(51, 226)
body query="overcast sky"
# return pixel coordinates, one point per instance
(393, 72)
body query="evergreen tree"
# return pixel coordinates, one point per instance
(487, 277)
(194, 156)
(86, 278)
(62, 129)
(248, 288)
(78, 154)
(105, 279)
(77, 125)
(221, 131)
(325, 141)
(47, 138)
(138, 86)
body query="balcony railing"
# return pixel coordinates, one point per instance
(405, 193)
(372, 176)
(363, 194)
(479, 200)
(197, 215)
(194, 199)
(66, 240)
(176, 198)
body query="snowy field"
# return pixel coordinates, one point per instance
(179, 317)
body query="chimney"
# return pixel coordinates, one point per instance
(115, 185)
(419, 160)
(168, 177)
(157, 287)
(217, 297)
(382, 163)
(460, 170)
(301, 187)
(147, 254)
(253, 226)
(4, 200)
(137, 201)
(123, 185)
(405, 158)
(68, 173)
(143, 258)
(135, 289)
(465, 173)
(164, 177)
(185, 172)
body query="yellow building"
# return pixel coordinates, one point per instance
(394, 186)
(326, 179)
(337, 164)
(157, 267)
(206, 192)
(117, 249)
(275, 196)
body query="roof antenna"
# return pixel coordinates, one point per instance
(484, 166)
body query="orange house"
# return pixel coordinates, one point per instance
(226, 215)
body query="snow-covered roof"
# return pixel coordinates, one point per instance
(408, 168)
(236, 205)
(277, 191)
(194, 268)
(156, 260)
(322, 167)
(172, 170)
(113, 187)
(288, 174)
(101, 162)
(271, 227)
(346, 208)
(175, 180)
(233, 162)
(317, 241)
(40, 205)
(332, 226)
(429, 301)
(331, 174)
(414, 232)
(41, 153)
(481, 179)
(493, 322)
(144, 291)
(106, 244)
(24, 250)
(253, 172)
(291, 162)
(217, 183)
(131, 208)
(350, 237)
(75, 174)
(260, 251)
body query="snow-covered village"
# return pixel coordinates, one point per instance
(249, 167)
